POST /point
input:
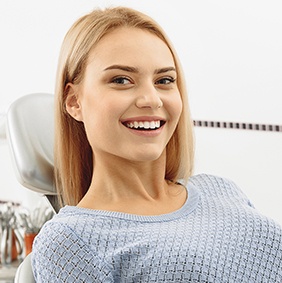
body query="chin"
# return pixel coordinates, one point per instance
(147, 156)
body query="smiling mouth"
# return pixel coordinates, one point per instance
(144, 125)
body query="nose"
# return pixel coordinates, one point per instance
(148, 97)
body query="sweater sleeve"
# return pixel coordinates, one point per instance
(59, 255)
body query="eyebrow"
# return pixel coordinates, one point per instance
(136, 70)
(123, 68)
(165, 70)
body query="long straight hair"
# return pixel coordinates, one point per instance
(73, 156)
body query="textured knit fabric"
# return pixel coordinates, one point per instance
(217, 236)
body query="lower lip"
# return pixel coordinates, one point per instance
(146, 133)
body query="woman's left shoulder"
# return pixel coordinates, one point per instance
(217, 185)
(228, 192)
(221, 188)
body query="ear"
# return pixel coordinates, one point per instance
(73, 105)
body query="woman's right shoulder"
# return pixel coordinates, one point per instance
(61, 225)
(59, 251)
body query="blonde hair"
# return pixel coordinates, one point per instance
(73, 160)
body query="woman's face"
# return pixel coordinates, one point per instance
(128, 99)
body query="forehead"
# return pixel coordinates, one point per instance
(131, 46)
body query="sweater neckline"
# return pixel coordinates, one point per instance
(187, 208)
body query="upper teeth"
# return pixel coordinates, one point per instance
(144, 124)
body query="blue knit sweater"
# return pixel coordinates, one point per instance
(217, 236)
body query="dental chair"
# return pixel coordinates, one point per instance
(30, 132)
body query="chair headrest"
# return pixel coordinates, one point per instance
(30, 132)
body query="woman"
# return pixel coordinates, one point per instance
(132, 211)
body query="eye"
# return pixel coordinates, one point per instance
(121, 81)
(165, 81)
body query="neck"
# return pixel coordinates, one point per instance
(133, 187)
(118, 178)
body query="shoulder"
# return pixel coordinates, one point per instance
(56, 242)
(60, 254)
(219, 187)
(61, 231)
(212, 182)
(208, 180)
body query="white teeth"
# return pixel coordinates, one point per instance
(135, 124)
(155, 124)
(145, 125)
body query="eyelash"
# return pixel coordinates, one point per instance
(116, 80)
(169, 80)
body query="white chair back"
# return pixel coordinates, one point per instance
(30, 132)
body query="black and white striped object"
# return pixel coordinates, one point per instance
(238, 125)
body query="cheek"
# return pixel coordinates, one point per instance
(101, 117)
(97, 107)
(176, 107)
